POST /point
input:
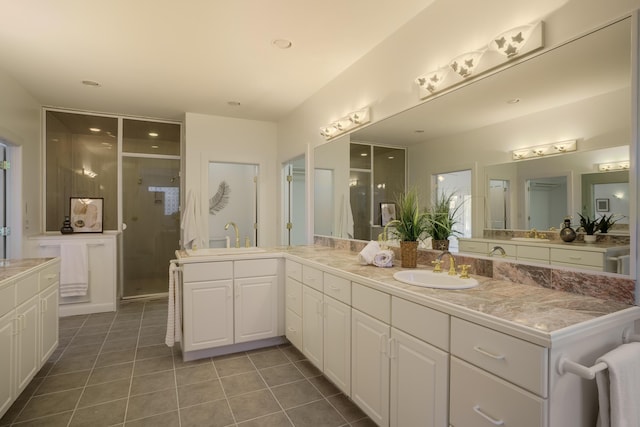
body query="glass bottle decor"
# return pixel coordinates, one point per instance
(567, 233)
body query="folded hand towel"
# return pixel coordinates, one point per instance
(368, 253)
(619, 387)
(383, 259)
(74, 269)
(174, 324)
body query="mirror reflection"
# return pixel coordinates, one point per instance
(578, 91)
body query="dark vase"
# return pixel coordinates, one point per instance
(567, 233)
(440, 245)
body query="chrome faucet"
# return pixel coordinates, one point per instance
(495, 249)
(452, 262)
(235, 227)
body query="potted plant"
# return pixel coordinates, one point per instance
(409, 227)
(606, 222)
(441, 218)
(589, 226)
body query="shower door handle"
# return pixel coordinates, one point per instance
(124, 226)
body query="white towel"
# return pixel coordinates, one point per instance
(366, 255)
(74, 269)
(174, 319)
(192, 223)
(383, 259)
(619, 387)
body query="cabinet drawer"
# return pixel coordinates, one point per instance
(312, 277)
(481, 399)
(206, 271)
(49, 276)
(338, 288)
(26, 288)
(536, 253)
(7, 299)
(255, 268)
(429, 325)
(294, 296)
(473, 247)
(374, 303)
(570, 256)
(294, 329)
(294, 270)
(513, 359)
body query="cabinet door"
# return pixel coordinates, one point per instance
(28, 356)
(48, 322)
(370, 366)
(337, 343)
(207, 314)
(419, 383)
(7, 360)
(312, 326)
(256, 308)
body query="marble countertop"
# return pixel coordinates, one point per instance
(591, 247)
(529, 312)
(10, 268)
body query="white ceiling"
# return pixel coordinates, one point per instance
(161, 58)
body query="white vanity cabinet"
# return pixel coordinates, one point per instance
(229, 302)
(312, 326)
(28, 327)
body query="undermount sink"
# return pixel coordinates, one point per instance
(529, 239)
(429, 279)
(224, 251)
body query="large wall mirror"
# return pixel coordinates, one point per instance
(577, 91)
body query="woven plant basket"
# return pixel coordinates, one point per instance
(409, 254)
(440, 245)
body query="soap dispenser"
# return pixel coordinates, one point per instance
(567, 233)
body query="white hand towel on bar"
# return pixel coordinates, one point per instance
(368, 253)
(74, 269)
(383, 259)
(619, 387)
(191, 223)
(174, 320)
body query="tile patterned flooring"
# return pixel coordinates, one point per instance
(113, 369)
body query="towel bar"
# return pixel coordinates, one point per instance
(45, 245)
(589, 373)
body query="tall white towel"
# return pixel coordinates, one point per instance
(619, 387)
(383, 259)
(192, 223)
(74, 269)
(367, 254)
(174, 317)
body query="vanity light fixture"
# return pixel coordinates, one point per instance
(511, 41)
(465, 64)
(432, 81)
(613, 166)
(346, 124)
(546, 150)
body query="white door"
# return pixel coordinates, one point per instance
(7, 360)
(208, 314)
(27, 356)
(256, 308)
(370, 366)
(419, 383)
(312, 326)
(48, 322)
(337, 343)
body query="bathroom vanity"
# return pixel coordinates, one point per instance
(408, 355)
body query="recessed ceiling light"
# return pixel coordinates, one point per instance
(91, 83)
(513, 101)
(153, 133)
(364, 154)
(155, 146)
(282, 43)
(419, 131)
(94, 129)
(390, 157)
(233, 103)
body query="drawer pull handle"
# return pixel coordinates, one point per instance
(384, 342)
(486, 353)
(334, 288)
(492, 420)
(575, 258)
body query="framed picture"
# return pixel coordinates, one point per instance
(387, 212)
(602, 205)
(86, 214)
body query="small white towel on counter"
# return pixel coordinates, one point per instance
(383, 259)
(366, 255)
(174, 315)
(74, 269)
(619, 387)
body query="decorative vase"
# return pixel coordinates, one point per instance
(567, 233)
(409, 254)
(589, 238)
(66, 226)
(440, 245)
